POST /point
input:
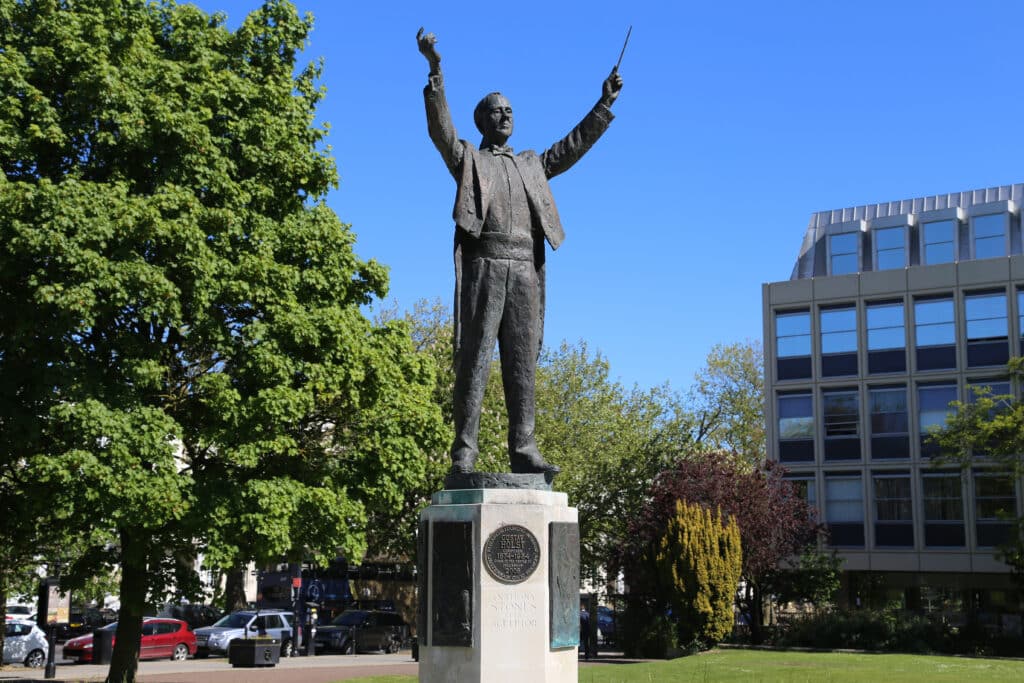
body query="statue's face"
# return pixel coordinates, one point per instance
(498, 121)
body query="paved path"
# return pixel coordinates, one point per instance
(320, 669)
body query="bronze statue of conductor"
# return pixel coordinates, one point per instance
(504, 211)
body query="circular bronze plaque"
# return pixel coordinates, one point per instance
(511, 553)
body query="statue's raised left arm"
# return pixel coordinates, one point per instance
(563, 154)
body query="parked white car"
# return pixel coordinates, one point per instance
(217, 639)
(19, 613)
(24, 643)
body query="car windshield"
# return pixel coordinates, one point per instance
(349, 619)
(112, 626)
(236, 620)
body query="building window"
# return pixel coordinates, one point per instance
(995, 506)
(938, 242)
(933, 407)
(796, 428)
(894, 519)
(943, 510)
(805, 489)
(886, 337)
(986, 329)
(844, 510)
(793, 345)
(989, 235)
(838, 341)
(889, 425)
(935, 334)
(842, 430)
(1020, 319)
(890, 248)
(996, 388)
(844, 252)
(993, 387)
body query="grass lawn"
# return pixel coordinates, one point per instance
(752, 666)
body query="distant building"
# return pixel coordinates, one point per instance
(892, 311)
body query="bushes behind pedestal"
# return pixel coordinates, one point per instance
(893, 631)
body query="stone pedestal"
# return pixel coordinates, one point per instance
(498, 587)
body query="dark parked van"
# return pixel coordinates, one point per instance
(362, 630)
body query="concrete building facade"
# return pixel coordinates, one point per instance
(892, 311)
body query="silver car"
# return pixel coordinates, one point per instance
(25, 643)
(217, 639)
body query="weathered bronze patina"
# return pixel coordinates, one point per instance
(564, 583)
(511, 554)
(504, 212)
(452, 584)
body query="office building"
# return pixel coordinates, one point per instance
(892, 311)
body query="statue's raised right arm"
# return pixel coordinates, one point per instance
(439, 118)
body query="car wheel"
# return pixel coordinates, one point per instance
(392, 645)
(348, 647)
(287, 650)
(180, 653)
(202, 654)
(35, 659)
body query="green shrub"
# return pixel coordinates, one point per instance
(645, 632)
(699, 560)
(893, 631)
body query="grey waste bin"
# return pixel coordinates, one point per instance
(102, 646)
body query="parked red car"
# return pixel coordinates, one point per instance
(161, 638)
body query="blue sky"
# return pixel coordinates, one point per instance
(736, 122)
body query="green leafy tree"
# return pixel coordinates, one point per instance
(178, 306)
(700, 559)
(728, 397)
(812, 578)
(989, 429)
(608, 440)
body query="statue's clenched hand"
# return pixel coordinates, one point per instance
(611, 88)
(426, 42)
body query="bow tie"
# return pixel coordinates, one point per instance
(500, 149)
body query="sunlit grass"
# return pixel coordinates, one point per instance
(751, 666)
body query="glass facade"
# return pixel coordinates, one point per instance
(985, 316)
(793, 344)
(894, 517)
(943, 510)
(838, 341)
(935, 334)
(844, 250)
(890, 438)
(933, 407)
(844, 509)
(989, 235)
(796, 428)
(890, 248)
(842, 425)
(938, 242)
(887, 339)
(995, 506)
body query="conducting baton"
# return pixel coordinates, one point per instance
(624, 44)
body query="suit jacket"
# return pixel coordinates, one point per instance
(472, 194)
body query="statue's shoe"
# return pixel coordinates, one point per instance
(533, 464)
(462, 466)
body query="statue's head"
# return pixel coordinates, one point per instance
(493, 118)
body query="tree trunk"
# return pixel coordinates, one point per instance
(234, 589)
(125, 660)
(756, 614)
(3, 615)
